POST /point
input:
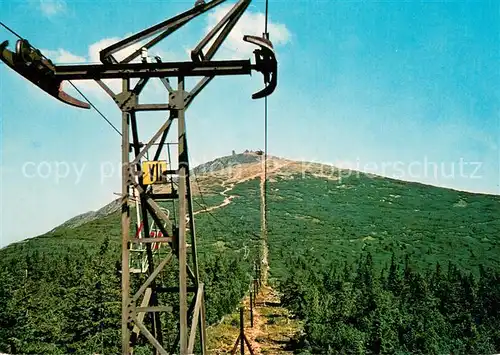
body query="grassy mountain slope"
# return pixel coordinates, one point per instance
(341, 219)
(323, 211)
(314, 210)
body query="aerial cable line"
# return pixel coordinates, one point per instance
(267, 17)
(95, 108)
(10, 30)
(201, 195)
(90, 103)
(266, 36)
(264, 243)
(206, 210)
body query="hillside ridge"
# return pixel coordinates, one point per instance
(228, 171)
(90, 216)
(321, 230)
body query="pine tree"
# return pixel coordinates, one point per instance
(394, 282)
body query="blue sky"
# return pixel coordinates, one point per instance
(385, 87)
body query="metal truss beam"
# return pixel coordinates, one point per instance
(175, 236)
(167, 27)
(152, 70)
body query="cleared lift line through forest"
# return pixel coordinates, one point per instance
(228, 198)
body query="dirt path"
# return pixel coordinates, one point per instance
(273, 327)
(264, 250)
(228, 198)
(272, 331)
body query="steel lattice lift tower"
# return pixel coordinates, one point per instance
(32, 65)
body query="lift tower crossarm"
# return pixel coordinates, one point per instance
(34, 66)
(168, 27)
(48, 77)
(228, 22)
(152, 70)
